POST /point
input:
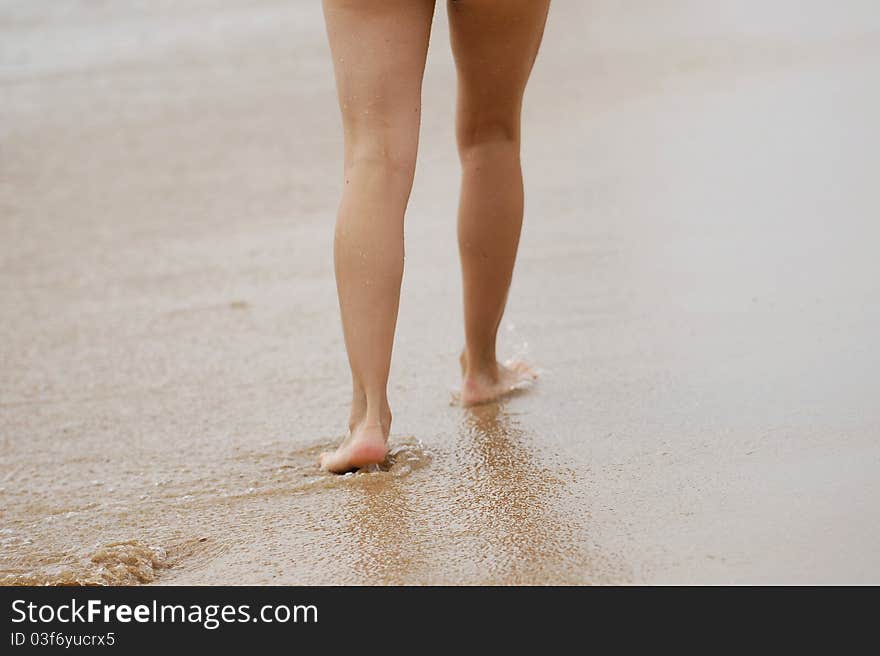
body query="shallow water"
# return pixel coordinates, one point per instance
(697, 285)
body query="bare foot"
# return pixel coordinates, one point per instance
(492, 383)
(366, 445)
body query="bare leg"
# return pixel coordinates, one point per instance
(495, 45)
(379, 49)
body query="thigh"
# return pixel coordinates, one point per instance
(379, 49)
(495, 44)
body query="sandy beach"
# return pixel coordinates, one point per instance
(698, 284)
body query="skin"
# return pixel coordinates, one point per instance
(379, 49)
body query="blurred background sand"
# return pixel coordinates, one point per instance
(698, 281)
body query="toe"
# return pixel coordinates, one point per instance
(524, 370)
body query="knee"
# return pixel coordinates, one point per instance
(476, 133)
(385, 153)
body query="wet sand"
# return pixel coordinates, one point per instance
(698, 282)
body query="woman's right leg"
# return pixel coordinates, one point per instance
(495, 44)
(379, 49)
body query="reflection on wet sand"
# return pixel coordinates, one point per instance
(490, 512)
(381, 524)
(513, 504)
(374, 535)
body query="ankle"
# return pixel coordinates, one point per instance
(480, 364)
(371, 418)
